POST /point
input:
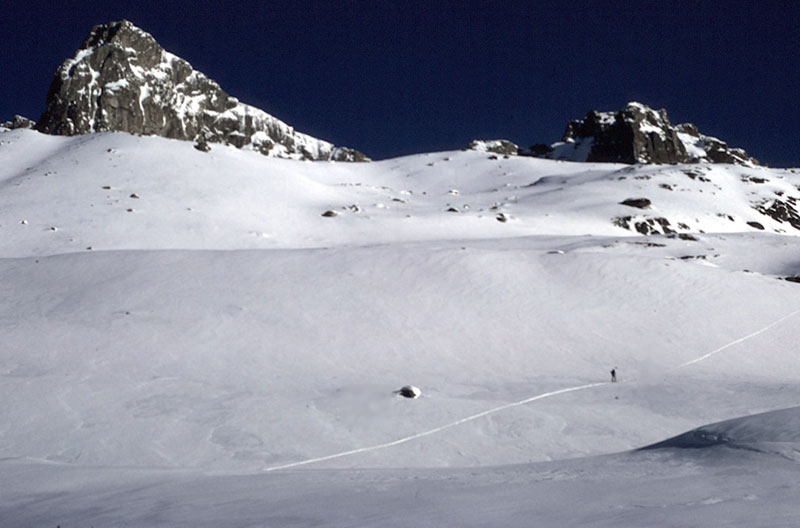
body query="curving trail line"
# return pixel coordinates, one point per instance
(432, 431)
(737, 341)
(514, 404)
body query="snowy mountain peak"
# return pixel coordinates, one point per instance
(121, 79)
(639, 134)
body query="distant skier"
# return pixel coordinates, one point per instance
(614, 375)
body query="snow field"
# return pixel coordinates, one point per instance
(193, 371)
(224, 355)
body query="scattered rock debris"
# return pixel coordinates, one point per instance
(753, 179)
(648, 226)
(782, 211)
(696, 174)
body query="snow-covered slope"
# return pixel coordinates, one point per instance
(772, 432)
(225, 355)
(665, 487)
(116, 191)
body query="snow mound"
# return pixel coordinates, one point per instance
(770, 432)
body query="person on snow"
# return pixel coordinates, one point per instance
(614, 375)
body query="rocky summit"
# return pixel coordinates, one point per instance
(121, 79)
(638, 134)
(18, 122)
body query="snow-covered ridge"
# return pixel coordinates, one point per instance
(121, 79)
(267, 203)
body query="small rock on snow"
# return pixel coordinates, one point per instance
(409, 391)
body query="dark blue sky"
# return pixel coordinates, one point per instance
(395, 77)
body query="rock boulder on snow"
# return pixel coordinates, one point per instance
(496, 146)
(409, 391)
(639, 203)
(19, 122)
(121, 79)
(638, 134)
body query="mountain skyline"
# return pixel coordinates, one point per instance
(409, 77)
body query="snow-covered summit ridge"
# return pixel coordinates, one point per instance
(121, 79)
(639, 134)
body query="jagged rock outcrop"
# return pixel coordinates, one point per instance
(496, 146)
(638, 134)
(121, 79)
(19, 122)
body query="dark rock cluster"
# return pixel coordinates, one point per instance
(646, 226)
(640, 203)
(638, 134)
(121, 79)
(19, 122)
(496, 146)
(782, 211)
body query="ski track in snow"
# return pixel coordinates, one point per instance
(737, 341)
(435, 430)
(513, 404)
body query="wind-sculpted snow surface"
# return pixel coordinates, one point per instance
(772, 432)
(175, 322)
(658, 487)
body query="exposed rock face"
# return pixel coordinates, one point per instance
(496, 146)
(19, 122)
(121, 79)
(638, 134)
(711, 149)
